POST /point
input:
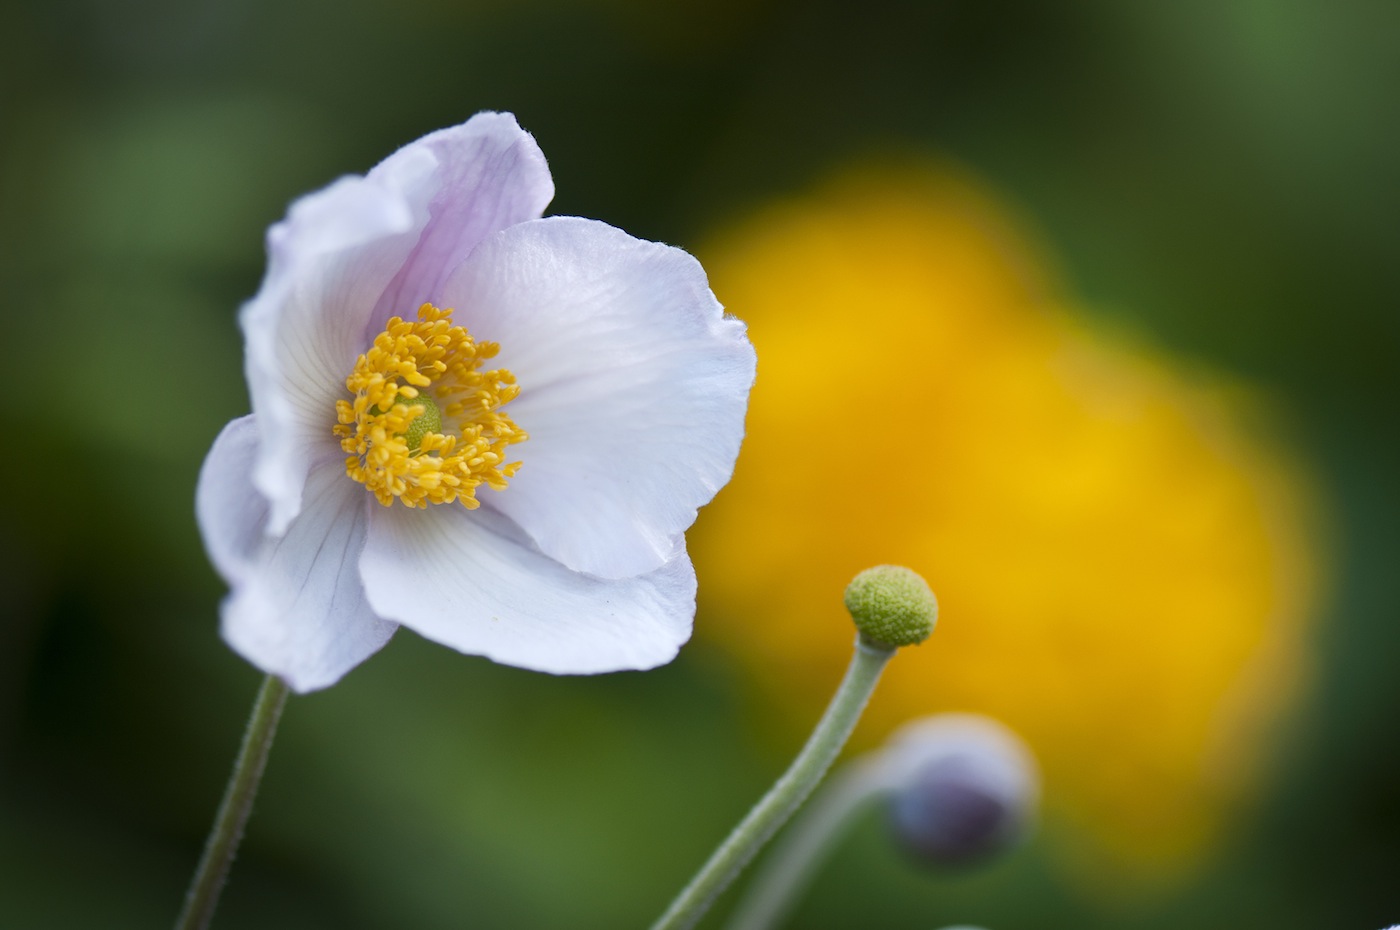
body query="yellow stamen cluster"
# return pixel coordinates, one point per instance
(414, 370)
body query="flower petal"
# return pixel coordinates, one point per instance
(633, 387)
(328, 263)
(491, 174)
(468, 580)
(297, 609)
(231, 517)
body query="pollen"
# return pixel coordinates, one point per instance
(424, 422)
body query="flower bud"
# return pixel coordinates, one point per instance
(891, 606)
(965, 788)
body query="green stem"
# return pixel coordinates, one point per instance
(787, 794)
(237, 804)
(789, 868)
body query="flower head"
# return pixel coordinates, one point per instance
(487, 426)
(892, 606)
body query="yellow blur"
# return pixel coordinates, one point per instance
(1124, 575)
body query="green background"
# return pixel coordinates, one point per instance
(1220, 176)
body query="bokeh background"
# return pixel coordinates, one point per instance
(932, 213)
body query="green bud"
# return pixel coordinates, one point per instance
(891, 606)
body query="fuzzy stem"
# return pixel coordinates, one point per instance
(237, 804)
(787, 794)
(793, 862)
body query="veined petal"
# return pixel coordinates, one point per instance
(467, 580)
(490, 175)
(297, 609)
(231, 516)
(633, 387)
(328, 263)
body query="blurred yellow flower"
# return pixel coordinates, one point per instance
(1124, 576)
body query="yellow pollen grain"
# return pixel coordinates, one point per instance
(435, 356)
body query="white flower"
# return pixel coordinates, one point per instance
(376, 483)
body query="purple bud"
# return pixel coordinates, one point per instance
(965, 788)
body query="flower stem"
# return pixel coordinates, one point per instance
(237, 804)
(789, 868)
(787, 794)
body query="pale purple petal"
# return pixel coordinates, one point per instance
(297, 609)
(633, 386)
(491, 174)
(465, 579)
(231, 515)
(328, 263)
